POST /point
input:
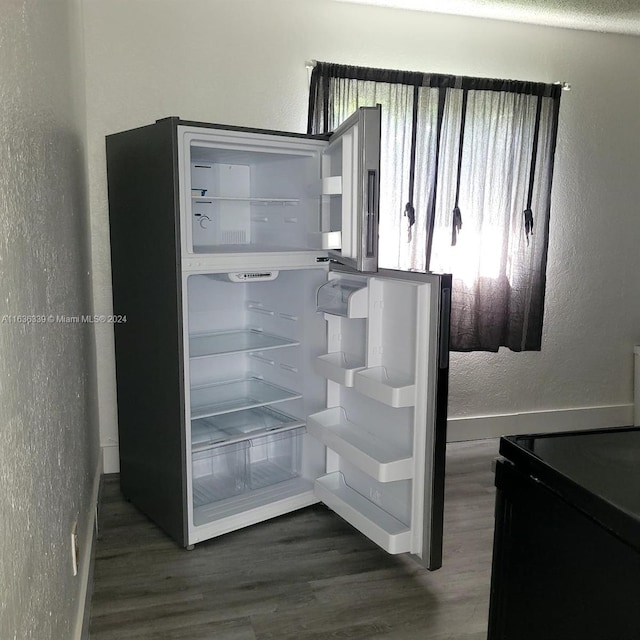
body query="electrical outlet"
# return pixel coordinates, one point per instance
(75, 548)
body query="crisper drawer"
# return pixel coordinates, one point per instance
(274, 458)
(219, 473)
(230, 470)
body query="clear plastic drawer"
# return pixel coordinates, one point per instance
(274, 458)
(230, 470)
(219, 473)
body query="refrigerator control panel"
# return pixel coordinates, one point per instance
(247, 276)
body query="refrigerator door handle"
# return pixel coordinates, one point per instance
(371, 232)
(445, 312)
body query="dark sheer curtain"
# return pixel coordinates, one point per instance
(466, 174)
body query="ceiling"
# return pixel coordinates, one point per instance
(614, 16)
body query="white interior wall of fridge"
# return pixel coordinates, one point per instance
(251, 381)
(254, 198)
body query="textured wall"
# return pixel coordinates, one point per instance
(48, 431)
(243, 62)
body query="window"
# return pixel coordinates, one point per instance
(466, 174)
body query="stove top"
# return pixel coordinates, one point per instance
(598, 469)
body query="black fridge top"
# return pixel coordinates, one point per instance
(597, 471)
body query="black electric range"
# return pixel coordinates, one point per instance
(566, 556)
(596, 471)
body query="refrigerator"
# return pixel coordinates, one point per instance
(264, 363)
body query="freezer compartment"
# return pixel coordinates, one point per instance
(231, 470)
(255, 197)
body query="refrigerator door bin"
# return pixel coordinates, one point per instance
(379, 458)
(339, 367)
(394, 336)
(228, 427)
(331, 240)
(342, 297)
(378, 525)
(223, 342)
(391, 387)
(332, 185)
(235, 395)
(219, 473)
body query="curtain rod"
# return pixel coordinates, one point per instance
(565, 86)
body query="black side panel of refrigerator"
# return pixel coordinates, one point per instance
(145, 255)
(557, 573)
(440, 446)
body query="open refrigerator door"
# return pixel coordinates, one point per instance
(385, 422)
(351, 191)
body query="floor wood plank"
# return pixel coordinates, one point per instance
(305, 576)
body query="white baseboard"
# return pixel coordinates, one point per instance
(110, 458)
(481, 427)
(85, 564)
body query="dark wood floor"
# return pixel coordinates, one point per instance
(304, 576)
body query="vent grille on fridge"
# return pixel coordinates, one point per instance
(234, 236)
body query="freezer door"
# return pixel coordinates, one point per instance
(385, 424)
(351, 189)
